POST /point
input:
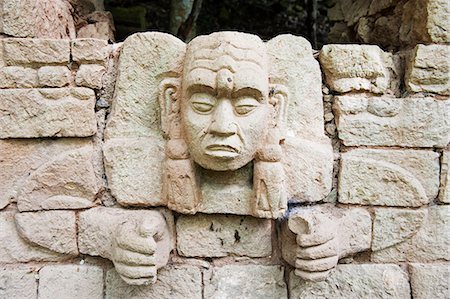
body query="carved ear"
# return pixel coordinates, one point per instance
(168, 101)
(278, 97)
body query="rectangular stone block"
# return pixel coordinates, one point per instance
(18, 283)
(70, 281)
(444, 189)
(89, 50)
(29, 51)
(355, 68)
(54, 76)
(401, 235)
(428, 69)
(90, 75)
(62, 112)
(18, 77)
(174, 281)
(386, 121)
(430, 280)
(245, 281)
(407, 178)
(355, 282)
(221, 235)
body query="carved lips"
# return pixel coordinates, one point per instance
(222, 150)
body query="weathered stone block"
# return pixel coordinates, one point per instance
(354, 68)
(90, 75)
(408, 178)
(173, 282)
(89, 50)
(47, 113)
(444, 189)
(70, 281)
(18, 283)
(411, 235)
(429, 69)
(222, 235)
(55, 230)
(18, 77)
(438, 21)
(54, 76)
(245, 281)
(355, 281)
(430, 280)
(14, 249)
(384, 121)
(27, 51)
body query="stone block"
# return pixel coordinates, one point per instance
(62, 112)
(354, 68)
(27, 51)
(429, 69)
(54, 76)
(90, 75)
(55, 230)
(444, 189)
(245, 281)
(70, 282)
(221, 235)
(14, 249)
(173, 282)
(411, 235)
(385, 121)
(18, 77)
(438, 21)
(89, 50)
(407, 178)
(18, 283)
(354, 282)
(430, 280)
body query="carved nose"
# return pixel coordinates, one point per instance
(223, 123)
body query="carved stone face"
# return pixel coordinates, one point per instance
(225, 110)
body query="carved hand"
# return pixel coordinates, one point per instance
(135, 250)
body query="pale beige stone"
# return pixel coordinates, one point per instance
(430, 280)
(27, 51)
(410, 235)
(428, 69)
(222, 235)
(174, 281)
(245, 281)
(17, 18)
(438, 21)
(386, 121)
(18, 77)
(98, 30)
(54, 76)
(408, 178)
(355, 282)
(65, 112)
(55, 230)
(66, 181)
(355, 68)
(70, 282)
(444, 189)
(90, 75)
(14, 249)
(90, 50)
(18, 283)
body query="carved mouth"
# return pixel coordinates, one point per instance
(222, 148)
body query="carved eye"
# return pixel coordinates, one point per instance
(202, 102)
(245, 105)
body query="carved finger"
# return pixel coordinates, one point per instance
(135, 272)
(151, 227)
(139, 281)
(135, 243)
(133, 258)
(312, 276)
(308, 240)
(319, 265)
(316, 252)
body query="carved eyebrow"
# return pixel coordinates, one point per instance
(248, 91)
(196, 88)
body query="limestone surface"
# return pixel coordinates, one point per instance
(354, 68)
(174, 281)
(245, 281)
(18, 77)
(90, 75)
(18, 283)
(416, 235)
(23, 51)
(54, 76)
(89, 50)
(354, 282)
(444, 189)
(429, 69)
(387, 121)
(407, 178)
(221, 235)
(429, 280)
(71, 282)
(65, 112)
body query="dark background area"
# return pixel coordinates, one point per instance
(266, 18)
